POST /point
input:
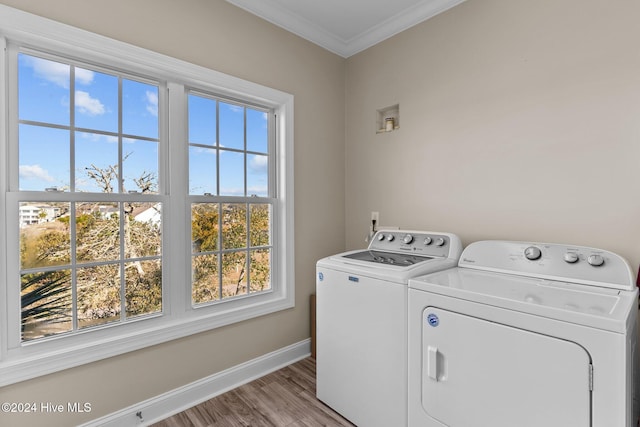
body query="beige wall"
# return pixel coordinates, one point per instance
(216, 35)
(519, 120)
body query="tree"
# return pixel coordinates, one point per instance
(205, 237)
(229, 258)
(46, 295)
(226, 253)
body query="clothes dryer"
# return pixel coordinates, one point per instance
(361, 322)
(524, 334)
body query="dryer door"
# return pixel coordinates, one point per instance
(480, 373)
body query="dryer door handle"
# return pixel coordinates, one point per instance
(432, 362)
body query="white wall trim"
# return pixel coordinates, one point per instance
(177, 400)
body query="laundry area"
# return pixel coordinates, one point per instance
(537, 326)
(515, 333)
(453, 183)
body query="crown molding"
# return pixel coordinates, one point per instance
(398, 23)
(273, 12)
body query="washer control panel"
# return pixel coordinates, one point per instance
(553, 261)
(571, 256)
(417, 242)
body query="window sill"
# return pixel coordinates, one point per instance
(89, 349)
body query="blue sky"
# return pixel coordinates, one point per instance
(44, 154)
(203, 152)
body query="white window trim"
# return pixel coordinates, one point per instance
(179, 320)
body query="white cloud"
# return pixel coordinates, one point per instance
(34, 172)
(257, 190)
(88, 105)
(201, 150)
(152, 103)
(96, 137)
(56, 72)
(259, 164)
(83, 76)
(232, 191)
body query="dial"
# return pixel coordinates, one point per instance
(381, 237)
(408, 239)
(390, 238)
(532, 253)
(439, 241)
(571, 257)
(596, 260)
(427, 240)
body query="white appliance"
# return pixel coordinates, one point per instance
(524, 334)
(361, 322)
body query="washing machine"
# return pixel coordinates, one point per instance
(361, 322)
(524, 334)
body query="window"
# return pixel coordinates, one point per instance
(145, 198)
(86, 262)
(229, 161)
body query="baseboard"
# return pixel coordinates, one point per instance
(177, 400)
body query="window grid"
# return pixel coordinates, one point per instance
(247, 256)
(44, 303)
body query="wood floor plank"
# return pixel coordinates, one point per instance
(284, 398)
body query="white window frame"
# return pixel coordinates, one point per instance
(179, 317)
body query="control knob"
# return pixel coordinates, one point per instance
(596, 260)
(571, 257)
(532, 253)
(427, 240)
(408, 239)
(390, 238)
(439, 241)
(381, 237)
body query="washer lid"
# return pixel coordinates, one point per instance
(598, 307)
(397, 255)
(398, 272)
(391, 258)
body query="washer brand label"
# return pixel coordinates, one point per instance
(354, 279)
(320, 276)
(433, 320)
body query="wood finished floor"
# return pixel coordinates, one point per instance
(284, 398)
